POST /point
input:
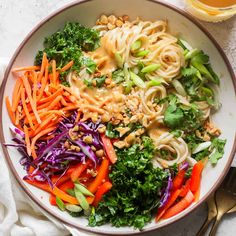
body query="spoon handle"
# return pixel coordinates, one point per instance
(216, 223)
(204, 227)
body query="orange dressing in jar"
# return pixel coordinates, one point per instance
(219, 3)
(211, 10)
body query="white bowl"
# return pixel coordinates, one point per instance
(180, 23)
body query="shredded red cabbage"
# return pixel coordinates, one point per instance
(56, 155)
(184, 166)
(166, 193)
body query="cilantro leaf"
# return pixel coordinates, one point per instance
(218, 151)
(173, 116)
(118, 76)
(188, 71)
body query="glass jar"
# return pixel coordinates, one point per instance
(209, 13)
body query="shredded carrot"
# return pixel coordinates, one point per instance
(43, 82)
(72, 107)
(44, 123)
(28, 92)
(26, 109)
(54, 71)
(16, 94)
(50, 98)
(44, 65)
(17, 117)
(67, 66)
(34, 87)
(27, 140)
(55, 102)
(26, 68)
(78, 116)
(39, 135)
(9, 109)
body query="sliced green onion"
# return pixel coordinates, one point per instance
(191, 54)
(150, 68)
(73, 208)
(207, 91)
(83, 190)
(201, 146)
(185, 52)
(128, 83)
(185, 44)
(119, 60)
(81, 199)
(137, 80)
(154, 83)
(142, 53)
(179, 87)
(136, 45)
(60, 203)
(198, 74)
(71, 192)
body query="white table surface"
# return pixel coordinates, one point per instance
(17, 18)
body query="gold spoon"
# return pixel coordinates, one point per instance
(212, 212)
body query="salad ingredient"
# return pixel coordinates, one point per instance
(179, 179)
(161, 211)
(67, 45)
(79, 170)
(110, 151)
(133, 178)
(180, 206)
(60, 204)
(103, 189)
(102, 174)
(83, 190)
(196, 176)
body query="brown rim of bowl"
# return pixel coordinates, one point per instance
(21, 183)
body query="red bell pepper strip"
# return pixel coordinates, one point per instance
(66, 185)
(161, 211)
(185, 188)
(179, 179)
(104, 188)
(180, 206)
(102, 174)
(52, 200)
(196, 176)
(79, 170)
(110, 151)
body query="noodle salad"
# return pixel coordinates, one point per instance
(114, 121)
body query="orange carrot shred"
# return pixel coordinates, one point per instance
(25, 68)
(27, 140)
(28, 92)
(53, 71)
(43, 66)
(67, 66)
(16, 94)
(9, 109)
(26, 109)
(39, 135)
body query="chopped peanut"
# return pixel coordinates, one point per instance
(99, 153)
(88, 139)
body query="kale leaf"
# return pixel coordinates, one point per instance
(136, 189)
(68, 43)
